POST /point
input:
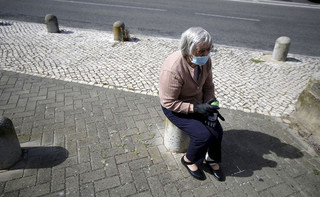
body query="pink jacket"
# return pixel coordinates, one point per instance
(178, 91)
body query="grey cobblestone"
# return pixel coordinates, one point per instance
(141, 181)
(107, 183)
(37, 190)
(156, 187)
(123, 190)
(268, 87)
(114, 138)
(92, 176)
(21, 183)
(10, 175)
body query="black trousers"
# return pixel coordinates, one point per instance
(203, 138)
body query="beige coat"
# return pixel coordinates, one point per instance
(178, 91)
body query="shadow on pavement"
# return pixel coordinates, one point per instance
(247, 151)
(5, 23)
(290, 59)
(41, 157)
(66, 32)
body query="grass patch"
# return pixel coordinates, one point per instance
(256, 60)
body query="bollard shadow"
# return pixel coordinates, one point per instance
(41, 157)
(134, 39)
(65, 32)
(5, 23)
(247, 151)
(291, 59)
(214, 50)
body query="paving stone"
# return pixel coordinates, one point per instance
(107, 183)
(104, 193)
(96, 160)
(140, 163)
(156, 169)
(57, 180)
(155, 155)
(87, 190)
(13, 193)
(205, 190)
(92, 176)
(10, 175)
(281, 190)
(44, 175)
(37, 190)
(72, 186)
(110, 167)
(156, 187)
(140, 180)
(143, 194)
(125, 173)
(124, 190)
(20, 183)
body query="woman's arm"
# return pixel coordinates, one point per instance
(170, 85)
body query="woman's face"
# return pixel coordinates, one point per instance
(202, 50)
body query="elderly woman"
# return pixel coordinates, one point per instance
(186, 91)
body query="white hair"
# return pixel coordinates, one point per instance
(193, 37)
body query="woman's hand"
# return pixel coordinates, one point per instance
(204, 109)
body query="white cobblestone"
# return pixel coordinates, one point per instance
(92, 57)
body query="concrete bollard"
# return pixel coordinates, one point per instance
(281, 48)
(10, 150)
(175, 139)
(119, 31)
(52, 23)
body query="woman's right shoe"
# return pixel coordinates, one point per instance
(198, 174)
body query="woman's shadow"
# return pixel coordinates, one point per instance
(41, 157)
(247, 151)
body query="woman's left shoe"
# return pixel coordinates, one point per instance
(218, 174)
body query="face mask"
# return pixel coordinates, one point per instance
(201, 60)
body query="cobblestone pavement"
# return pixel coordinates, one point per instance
(92, 57)
(84, 140)
(81, 140)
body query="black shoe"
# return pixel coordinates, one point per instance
(218, 174)
(198, 174)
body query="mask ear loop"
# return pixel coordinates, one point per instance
(189, 60)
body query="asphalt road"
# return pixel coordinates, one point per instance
(241, 23)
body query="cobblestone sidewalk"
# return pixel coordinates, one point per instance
(81, 140)
(92, 57)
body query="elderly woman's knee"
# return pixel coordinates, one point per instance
(204, 136)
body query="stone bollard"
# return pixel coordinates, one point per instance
(52, 23)
(119, 31)
(174, 139)
(10, 150)
(281, 48)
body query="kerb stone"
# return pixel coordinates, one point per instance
(308, 106)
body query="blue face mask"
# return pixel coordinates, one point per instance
(201, 60)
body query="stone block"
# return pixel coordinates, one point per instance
(308, 106)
